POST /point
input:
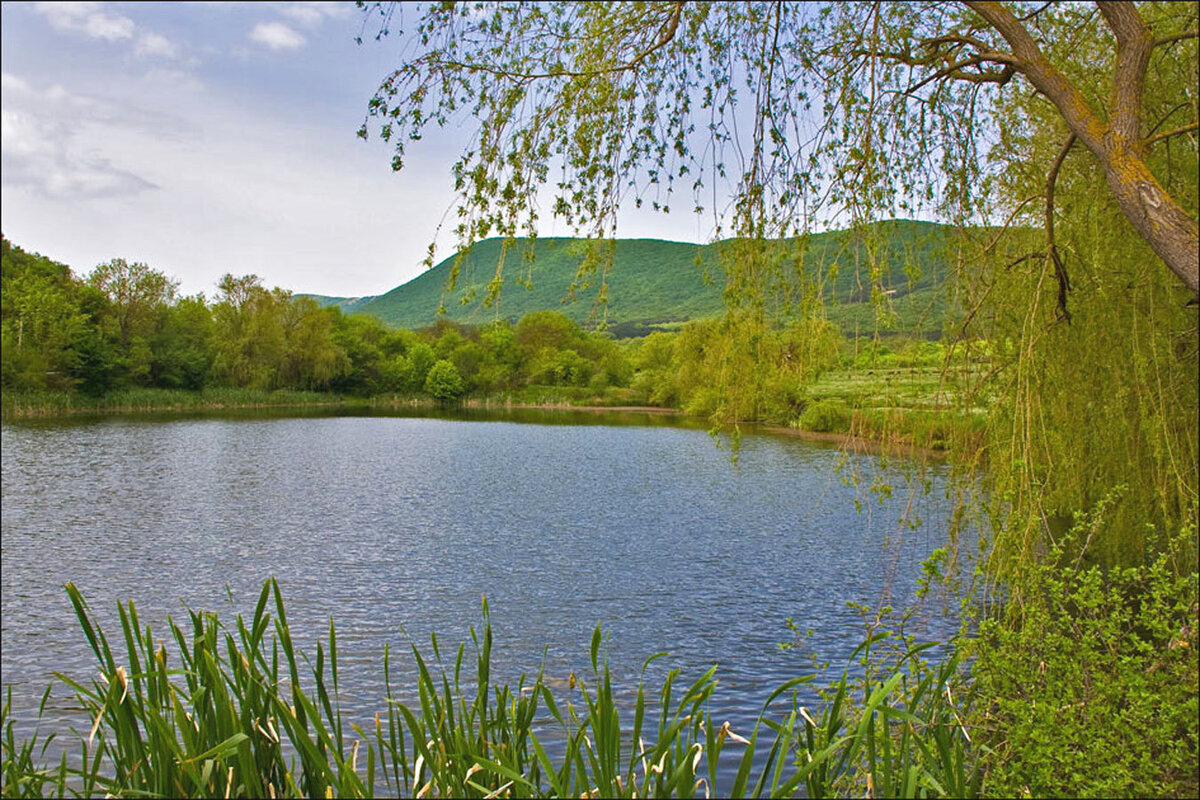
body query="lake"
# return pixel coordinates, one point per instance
(392, 524)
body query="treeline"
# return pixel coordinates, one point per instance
(125, 326)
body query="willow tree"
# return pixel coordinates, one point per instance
(776, 117)
(868, 106)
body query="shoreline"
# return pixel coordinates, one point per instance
(843, 440)
(859, 444)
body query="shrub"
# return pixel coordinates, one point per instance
(825, 416)
(1090, 680)
(444, 383)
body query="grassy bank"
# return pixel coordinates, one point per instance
(918, 407)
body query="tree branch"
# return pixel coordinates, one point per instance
(1060, 271)
(1024, 258)
(1158, 137)
(1004, 228)
(1167, 116)
(667, 33)
(1134, 44)
(1175, 37)
(1033, 14)
(1029, 60)
(958, 38)
(955, 72)
(1169, 230)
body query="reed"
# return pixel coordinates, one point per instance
(22, 405)
(232, 713)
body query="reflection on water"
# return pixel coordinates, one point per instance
(391, 524)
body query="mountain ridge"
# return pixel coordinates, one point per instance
(890, 272)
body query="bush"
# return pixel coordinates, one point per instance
(444, 383)
(1090, 681)
(826, 416)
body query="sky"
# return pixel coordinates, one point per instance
(206, 138)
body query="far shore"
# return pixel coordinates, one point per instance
(843, 439)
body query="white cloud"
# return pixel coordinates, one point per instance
(172, 80)
(12, 83)
(39, 156)
(88, 18)
(311, 14)
(152, 44)
(277, 36)
(50, 143)
(304, 14)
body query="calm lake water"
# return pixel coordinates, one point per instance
(393, 523)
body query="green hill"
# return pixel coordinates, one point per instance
(656, 282)
(349, 305)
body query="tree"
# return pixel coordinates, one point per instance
(314, 359)
(420, 361)
(182, 344)
(444, 383)
(863, 108)
(249, 341)
(40, 320)
(136, 292)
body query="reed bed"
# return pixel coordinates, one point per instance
(232, 713)
(24, 405)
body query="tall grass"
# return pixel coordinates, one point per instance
(18, 404)
(234, 714)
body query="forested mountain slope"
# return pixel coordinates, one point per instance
(656, 282)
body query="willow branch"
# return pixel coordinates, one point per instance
(667, 33)
(1158, 137)
(1033, 14)
(1008, 222)
(956, 38)
(954, 71)
(1029, 60)
(1060, 271)
(1024, 258)
(1167, 116)
(1175, 37)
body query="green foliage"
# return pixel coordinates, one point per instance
(42, 321)
(933, 428)
(421, 360)
(42, 403)
(1108, 397)
(136, 295)
(182, 346)
(443, 382)
(249, 338)
(735, 369)
(1094, 667)
(826, 416)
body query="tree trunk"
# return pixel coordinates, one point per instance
(1155, 215)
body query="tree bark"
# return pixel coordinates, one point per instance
(1155, 215)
